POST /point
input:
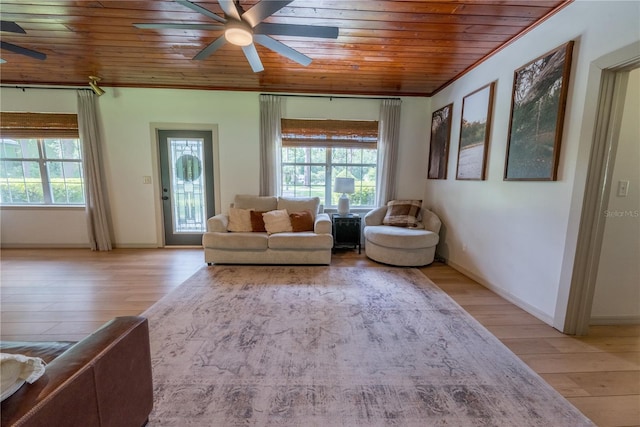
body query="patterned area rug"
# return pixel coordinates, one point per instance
(335, 346)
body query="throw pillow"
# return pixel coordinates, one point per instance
(257, 221)
(277, 221)
(402, 213)
(239, 220)
(16, 369)
(301, 221)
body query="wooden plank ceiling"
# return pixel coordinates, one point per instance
(387, 48)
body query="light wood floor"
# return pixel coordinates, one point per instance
(65, 294)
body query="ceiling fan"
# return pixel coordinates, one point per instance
(244, 29)
(12, 27)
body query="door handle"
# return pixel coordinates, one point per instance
(165, 197)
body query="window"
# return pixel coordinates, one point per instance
(315, 152)
(40, 160)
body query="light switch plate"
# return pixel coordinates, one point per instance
(146, 180)
(623, 188)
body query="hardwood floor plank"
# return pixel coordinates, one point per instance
(599, 383)
(610, 411)
(582, 362)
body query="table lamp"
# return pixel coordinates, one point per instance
(344, 186)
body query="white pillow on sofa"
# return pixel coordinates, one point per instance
(239, 220)
(277, 221)
(15, 370)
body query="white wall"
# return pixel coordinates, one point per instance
(126, 117)
(617, 293)
(511, 235)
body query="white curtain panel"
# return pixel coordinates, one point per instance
(388, 136)
(95, 199)
(270, 115)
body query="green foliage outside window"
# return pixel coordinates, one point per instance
(41, 171)
(311, 171)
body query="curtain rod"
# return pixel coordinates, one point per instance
(330, 96)
(23, 87)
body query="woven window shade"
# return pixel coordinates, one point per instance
(324, 133)
(38, 125)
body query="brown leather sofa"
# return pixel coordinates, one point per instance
(103, 380)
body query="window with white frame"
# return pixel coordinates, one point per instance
(40, 160)
(315, 152)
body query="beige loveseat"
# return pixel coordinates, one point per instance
(223, 246)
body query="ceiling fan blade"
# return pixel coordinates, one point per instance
(201, 10)
(11, 27)
(282, 49)
(296, 30)
(262, 10)
(180, 26)
(252, 56)
(22, 51)
(212, 47)
(230, 9)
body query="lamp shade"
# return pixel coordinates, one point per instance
(344, 185)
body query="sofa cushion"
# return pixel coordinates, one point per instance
(247, 241)
(400, 237)
(402, 213)
(301, 221)
(303, 240)
(299, 204)
(259, 203)
(277, 221)
(239, 220)
(257, 221)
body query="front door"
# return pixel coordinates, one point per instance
(186, 168)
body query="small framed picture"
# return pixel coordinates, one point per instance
(439, 146)
(537, 116)
(475, 130)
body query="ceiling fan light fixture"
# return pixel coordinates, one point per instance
(238, 34)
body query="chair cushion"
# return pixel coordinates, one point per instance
(259, 203)
(301, 240)
(247, 241)
(400, 237)
(298, 204)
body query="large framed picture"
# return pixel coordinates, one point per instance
(475, 130)
(439, 146)
(537, 115)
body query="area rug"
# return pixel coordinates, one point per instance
(335, 346)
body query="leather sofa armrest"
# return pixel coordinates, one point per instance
(322, 224)
(376, 216)
(105, 379)
(218, 223)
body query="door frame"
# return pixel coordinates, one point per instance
(155, 161)
(609, 74)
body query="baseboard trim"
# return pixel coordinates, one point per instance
(80, 246)
(44, 246)
(506, 295)
(614, 320)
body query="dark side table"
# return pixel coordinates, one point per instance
(346, 231)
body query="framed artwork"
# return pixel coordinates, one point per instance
(439, 146)
(537, 115)
(475, 130)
